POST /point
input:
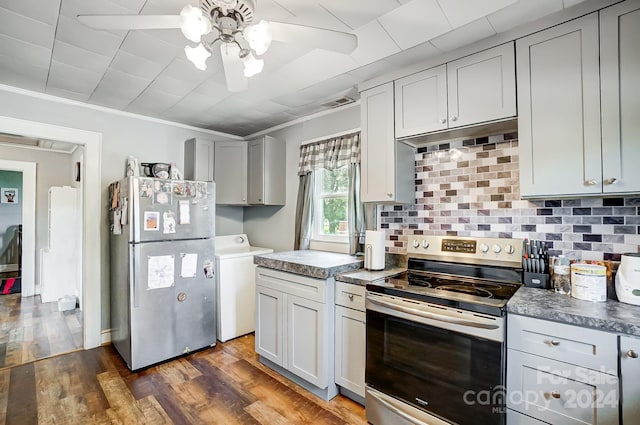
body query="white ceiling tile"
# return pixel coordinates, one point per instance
(55, 91)
(358, 13)
(193, 103)
(142, 44)
(331, 88)
(270, 107)
(26, 29)
(182, 69)
(164, 7)
(80, 58)
(461, 12)
(373, 43)
(312, 14)
(73, 79)
(270, 10)
(153, 102)
(569, 3)
(466, 34)
(415, 22)
(169, 36)
(29, 53)
(136, 65)
(522, 12)
(43, 11)
(372, 70)
(73, 8)
(174, 86)
(216, 90)
(133, 5)
(20, 74)
(413, 55)
(117, 89)
(72, 31)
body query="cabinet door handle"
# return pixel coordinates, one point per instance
(555, 394)
(591, 182)
(389, 194)
(632, 354)
(454, 118)
(443, 120)
(612, 180)
(553, 342)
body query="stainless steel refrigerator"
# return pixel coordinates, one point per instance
(162, 268)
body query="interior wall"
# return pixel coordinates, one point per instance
(149, 141)
(52, 169)
(10, 213)
(273, 227)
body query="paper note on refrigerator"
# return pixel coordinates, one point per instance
(160, 271)
(184, 215)
(189, 265)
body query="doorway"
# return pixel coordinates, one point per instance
(90, 171)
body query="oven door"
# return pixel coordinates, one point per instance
(446, 362)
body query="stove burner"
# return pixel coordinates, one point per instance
(464, 289)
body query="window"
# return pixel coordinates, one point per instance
(330, 200)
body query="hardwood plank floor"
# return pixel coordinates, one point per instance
(225, 384)
(31, 330)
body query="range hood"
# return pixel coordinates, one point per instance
(460, 133)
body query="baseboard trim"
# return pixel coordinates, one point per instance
(105, 337)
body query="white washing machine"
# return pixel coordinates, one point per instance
(236, 285)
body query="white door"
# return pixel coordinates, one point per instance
(421, 102)
(307, 336)
(378, 144)
(482, 87)
(269, 324)
(350, 349)
(620, 67)
(559, 110)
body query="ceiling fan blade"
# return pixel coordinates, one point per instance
(130, 22)
(341, 42)
(233, 67)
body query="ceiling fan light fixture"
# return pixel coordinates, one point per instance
(198, 55)
(193, 23)
(252, 66)
(259, 37)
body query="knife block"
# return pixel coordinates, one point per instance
(536, 280)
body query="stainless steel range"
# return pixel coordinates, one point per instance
(436, 335)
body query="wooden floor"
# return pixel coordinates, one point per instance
(31, 330)
(221, 385)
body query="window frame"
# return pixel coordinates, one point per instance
(318, 197)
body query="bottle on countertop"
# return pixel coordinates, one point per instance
(562, 275)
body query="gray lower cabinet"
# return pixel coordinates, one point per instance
(295, 329)
(630, 379)
(561, 374)
(350, 332)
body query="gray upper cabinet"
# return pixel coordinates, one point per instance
(267, 179)
(619, 70)
(577, 98)
(198, 159)
(231, 173)
(559, 105)
(388, 166)
(471, 90)
(421, 102)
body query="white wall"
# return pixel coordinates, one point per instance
(273, 227)
(149, 141)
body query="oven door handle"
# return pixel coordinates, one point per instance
(433, 316)
(394, 409)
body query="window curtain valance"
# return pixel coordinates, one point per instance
(329, 154)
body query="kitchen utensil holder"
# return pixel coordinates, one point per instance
(536, 280)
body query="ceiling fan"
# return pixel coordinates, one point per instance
(231, 23)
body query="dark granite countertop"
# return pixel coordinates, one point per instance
(610, 316)
(362, 277)
(318, 264)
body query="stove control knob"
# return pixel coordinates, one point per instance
(509, 249)
(484, 248)
(425, 244)
(416, 243)
(497, 249)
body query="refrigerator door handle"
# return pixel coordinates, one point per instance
(134, 254)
